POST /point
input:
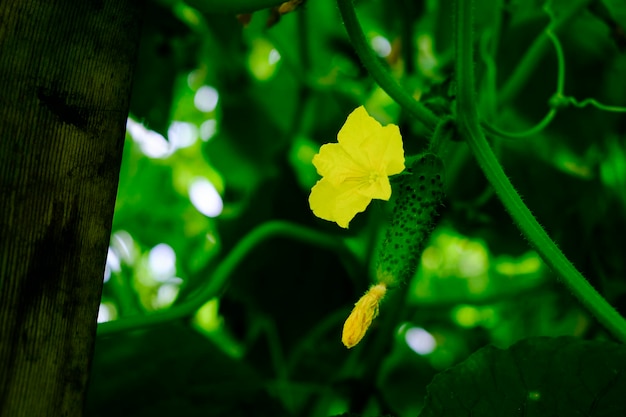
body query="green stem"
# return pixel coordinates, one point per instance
(378, 72)
(469, 128)
(516, 82)
(559, 99)
(562, 101)
(560, 87)
(489, 46)
(495, 130)
(443, 133)
(491, 73)
(224, 270)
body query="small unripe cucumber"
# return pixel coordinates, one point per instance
(419, 194)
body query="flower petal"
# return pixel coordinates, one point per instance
(335, 164)
(387, 150)
(380, 189)
(337, 203)
(358, 126)
(377, 148)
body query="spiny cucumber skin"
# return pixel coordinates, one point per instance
(419, 195)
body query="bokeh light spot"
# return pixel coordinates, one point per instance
(208, 317)
(426, 59)
(529, 263)
(151, 143)
(167, 293)
(182, 134)
(103, 314)
(162, 262)
(208, 129)
(205, 197)
(107, 273)
(206, 98)
(432, 258)
(124, 246)
(113, 264)
(106, 312)
(273, 57)
(474, 260)
(113, 260)
(420, 341)
(381, 46)
(466, 316)
(263, 59)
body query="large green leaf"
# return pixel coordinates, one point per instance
(171, 370)
(534, 378)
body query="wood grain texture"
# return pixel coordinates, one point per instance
(65, 77)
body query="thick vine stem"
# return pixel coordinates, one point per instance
(378, 72)
(470, 130)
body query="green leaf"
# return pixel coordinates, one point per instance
(170, 370)
(536, 377)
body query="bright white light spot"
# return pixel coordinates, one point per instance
(113, 264)
(381, 46)
(206, 98)
(205, 198)
(104, 314)
(107, 273)
(124, 246)
(162, 261)
(262, 59)
(113, 261)
(182, 134)
(420, 340)
(208, 129)
(167, 293)
(152, 144)
(273, 57)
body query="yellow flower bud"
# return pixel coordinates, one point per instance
(364, 311)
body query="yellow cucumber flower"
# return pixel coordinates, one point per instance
(356, 169)
(364, 311)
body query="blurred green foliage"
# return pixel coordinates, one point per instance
(224, 122)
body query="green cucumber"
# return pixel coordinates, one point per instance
(419, 195)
